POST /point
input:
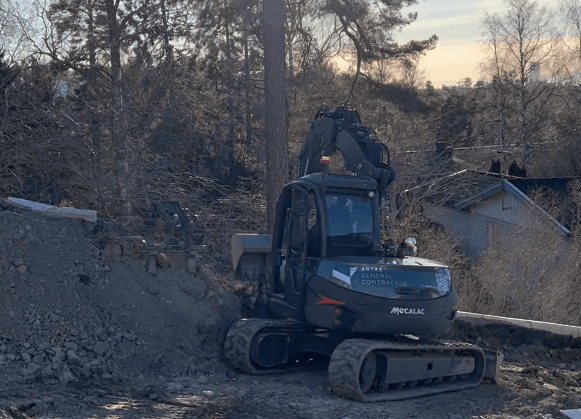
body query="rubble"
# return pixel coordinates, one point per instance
(71, 310)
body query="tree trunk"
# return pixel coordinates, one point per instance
(247, 90)
(115, 51)
(275, 97)
(91, 37)
(166, 44)
(118, 140)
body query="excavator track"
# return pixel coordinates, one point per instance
(374, 370)
(365, 370)
(241, 343)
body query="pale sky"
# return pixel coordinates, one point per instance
(458, 25)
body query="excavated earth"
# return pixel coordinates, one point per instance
(92, 328)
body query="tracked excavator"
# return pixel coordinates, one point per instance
(376, 310)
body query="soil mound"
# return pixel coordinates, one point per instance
(76, 306)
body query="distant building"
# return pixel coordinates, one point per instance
(498, 215)
(500, 209)
(534, 71)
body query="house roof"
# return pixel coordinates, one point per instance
(558, 185)
(485, 194)
(508, 187)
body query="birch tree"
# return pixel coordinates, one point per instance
(523, 42)
(571, 9)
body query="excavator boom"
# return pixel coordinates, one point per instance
(341, 130)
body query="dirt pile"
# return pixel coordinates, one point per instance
(76, 305)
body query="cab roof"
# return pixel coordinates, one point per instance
(325, 180)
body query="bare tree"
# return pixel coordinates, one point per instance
(522, 42)
(10, 38)
(299, 39)
(37, 39)
(495, 68)
(527, 35)
(571, 9)
(275, 99)
(119, 17)
(404, 71)
(412, 76)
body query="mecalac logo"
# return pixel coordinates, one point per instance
(399, 310)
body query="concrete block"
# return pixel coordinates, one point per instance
(65, 212)
(487, 319)
(573, 414)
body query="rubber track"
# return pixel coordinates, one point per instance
(239, 338)
(347, 358)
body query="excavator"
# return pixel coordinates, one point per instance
(375, 310)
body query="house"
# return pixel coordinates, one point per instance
(492, 213)
(498, 216)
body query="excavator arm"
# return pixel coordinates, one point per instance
(341, 130)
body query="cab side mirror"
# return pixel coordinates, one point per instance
(408, 247)
(389, 248)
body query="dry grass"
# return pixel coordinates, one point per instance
(536, 280)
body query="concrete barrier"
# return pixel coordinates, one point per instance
(65, 212)
(486, 319)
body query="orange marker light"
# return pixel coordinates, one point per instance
(327, 300)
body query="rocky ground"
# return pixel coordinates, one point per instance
(93, 329)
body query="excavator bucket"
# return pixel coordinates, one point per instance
(248, 255)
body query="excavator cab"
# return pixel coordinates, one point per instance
(318, 216)
(326, 247)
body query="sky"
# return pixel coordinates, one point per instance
(458, 25)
